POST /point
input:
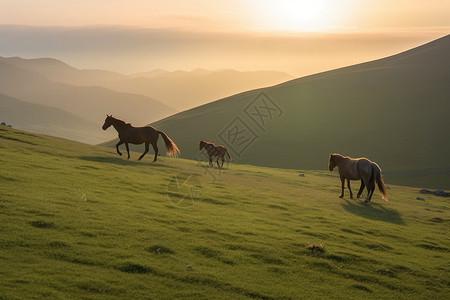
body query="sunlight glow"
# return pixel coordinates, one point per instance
(297, 15)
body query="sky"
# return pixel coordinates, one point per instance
(299, 37)
(231, 15)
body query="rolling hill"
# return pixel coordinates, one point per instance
(49, 120)
(80, 222)
(393, 111)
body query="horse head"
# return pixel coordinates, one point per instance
(331, 163)
(202, 144)
(108, 122)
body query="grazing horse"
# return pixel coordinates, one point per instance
(214, 150)
(138, 135)
(355, 169)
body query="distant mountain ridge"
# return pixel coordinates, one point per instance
(187, 89)
(36, 83)
(59, 71)
(49, 120)
(179, 89)
(32, 83)
(91, 94)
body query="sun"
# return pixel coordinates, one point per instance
(296, 15)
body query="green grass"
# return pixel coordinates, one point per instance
(79, 221)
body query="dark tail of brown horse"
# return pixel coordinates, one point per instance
(171, 148)
(376, 175)
(228, 153)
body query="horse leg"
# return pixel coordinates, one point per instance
(117, 147)
(365, 182)
(342, 186)
(348, 184)
(145, 151)
(370, 188)
(155, 147)
(218, 161)
(223, 160)
(361, 189)
(210, 161)
(369, 192)
(128, 150)
(373, 190)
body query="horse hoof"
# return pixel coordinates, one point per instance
(351, 197)
(341, 196)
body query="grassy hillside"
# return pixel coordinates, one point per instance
(49, 120)
(393, 111)
(80, 222)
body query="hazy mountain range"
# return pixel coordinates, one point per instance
(37, 84)
(393, 110)
(183, 90)
(48, 120)
(91, 94)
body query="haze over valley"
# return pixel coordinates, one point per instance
(90, 94)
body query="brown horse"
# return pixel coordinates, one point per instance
(355, 169)
(138, 135)
(214, 150)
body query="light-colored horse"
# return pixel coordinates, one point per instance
(358, 169)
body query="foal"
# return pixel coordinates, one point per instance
(214, 150)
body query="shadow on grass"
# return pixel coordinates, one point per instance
(373, 211)
(122, 161)
(214, 167)
(113, 160)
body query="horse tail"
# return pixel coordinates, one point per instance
(379, 179)
(228, 153)
(171, 148)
